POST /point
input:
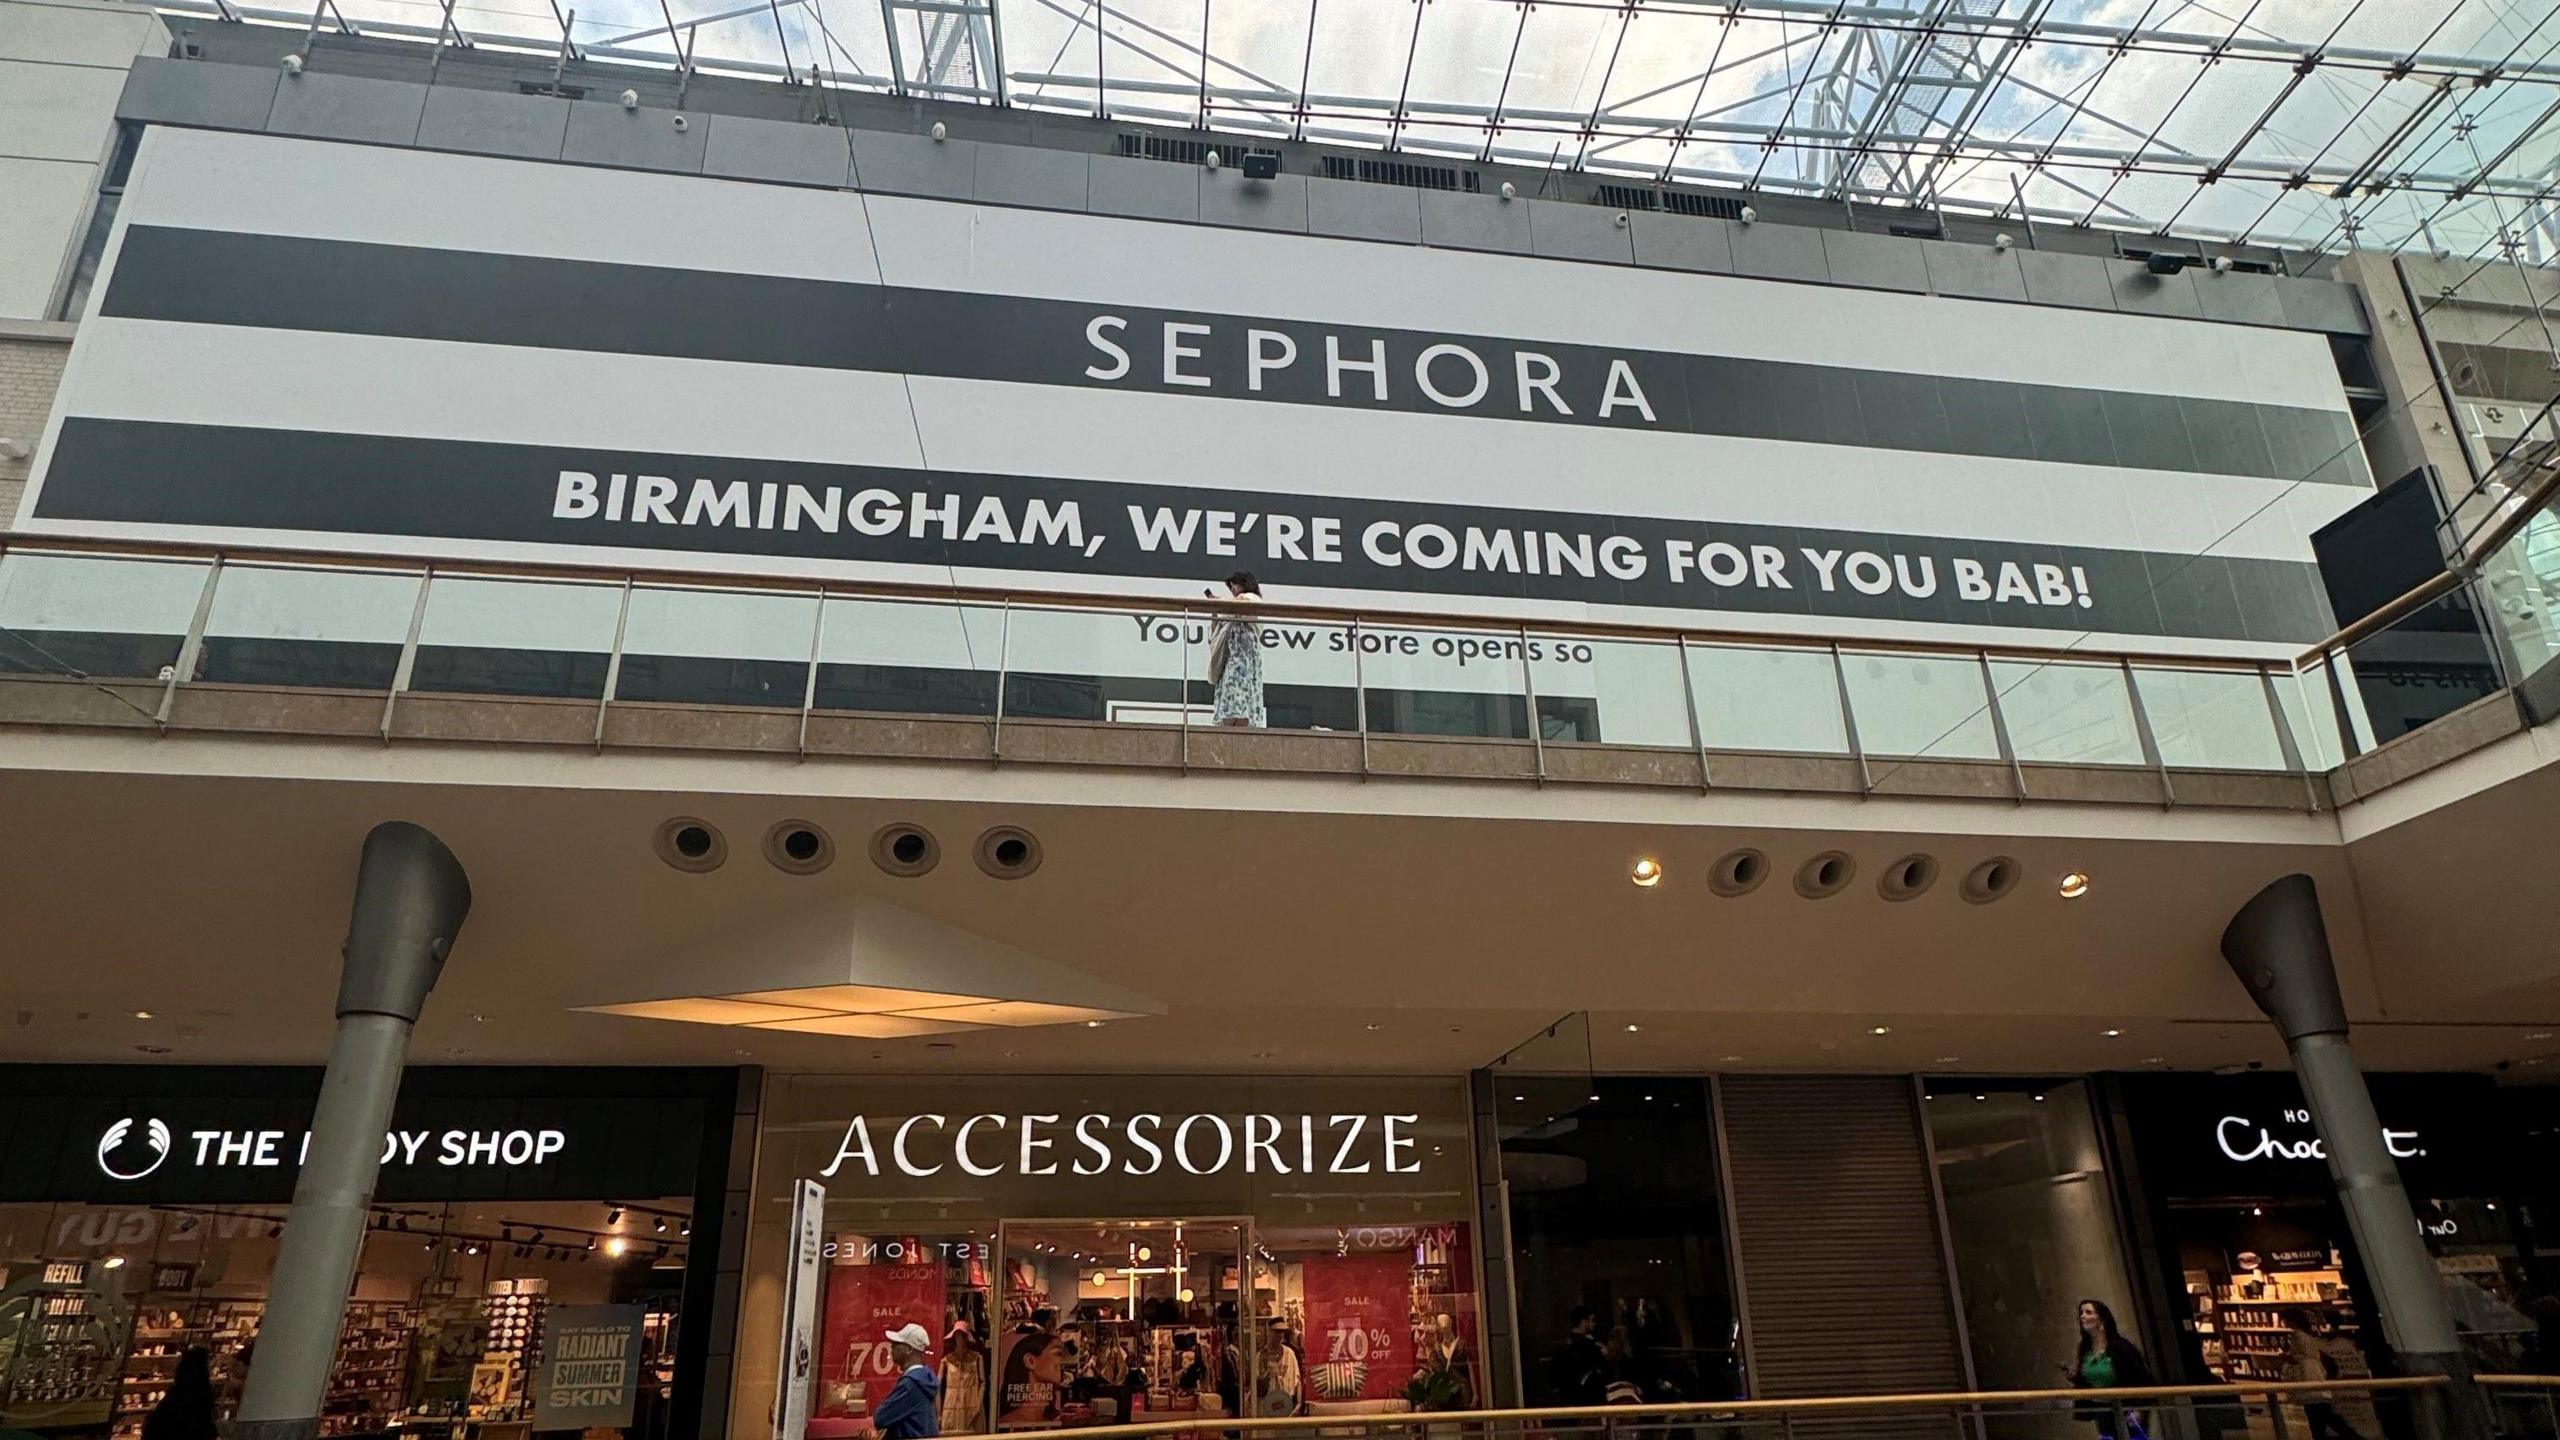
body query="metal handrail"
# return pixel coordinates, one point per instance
(1728, 1410)
(457, 567)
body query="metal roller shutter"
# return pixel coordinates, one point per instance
(1842, 1267)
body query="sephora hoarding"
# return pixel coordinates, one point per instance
(301, 344)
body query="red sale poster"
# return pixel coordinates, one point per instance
(864, 1303)
(1359, 1337)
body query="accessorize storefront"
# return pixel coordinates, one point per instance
(2248, 1236)
(521, 1215)
(1091, 1249)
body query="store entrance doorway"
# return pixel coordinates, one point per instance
(1117, 1321)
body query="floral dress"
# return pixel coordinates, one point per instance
(1239, 697)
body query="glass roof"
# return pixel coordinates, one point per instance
(2384, 124)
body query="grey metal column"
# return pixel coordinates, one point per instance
(2279, 948)
(411, 897)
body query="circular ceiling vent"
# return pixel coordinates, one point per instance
(692, 845)
(1738, 873)
(1991, 879)
(1825, 875)
(797, 847)
(1008, 853)
(905, 850)
(1908, 878)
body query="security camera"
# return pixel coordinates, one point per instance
(12, 448)
(292, 65)
(1510, 191)
(2002, 241)
(2222, 264)
(941, 131)
(630, 99)
(682, 123)
(1622, 219)
(1749, 214)
(1213, 160)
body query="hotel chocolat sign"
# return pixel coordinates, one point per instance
(145, 1136)
(2253, 1134)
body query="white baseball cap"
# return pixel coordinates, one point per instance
(912, 1336)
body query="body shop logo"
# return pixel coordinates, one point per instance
(125, 1154)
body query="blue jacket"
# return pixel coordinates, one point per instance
(909, 1411)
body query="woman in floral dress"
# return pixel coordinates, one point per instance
(1235, 657)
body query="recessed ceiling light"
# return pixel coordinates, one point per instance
(1879, 1029)
(2155, 1059)
(1093, 1024)
(2111, 1033)
(1949, 1059)
(1519, 1097)
(1728, 1059)
(145, 1015)
(1980, 1098)
(1373, 1025)
(1633, 1029)
(1647, 873)
(2074, 885)
(2039, 1099)
(2539, 1035)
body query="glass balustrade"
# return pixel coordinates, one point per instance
(1770, 698)
(307, 626)
(589, 639)
(488, 636)
(100, 616)
(2068, 712)
(718, 647)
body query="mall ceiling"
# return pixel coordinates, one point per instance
(1280, 940)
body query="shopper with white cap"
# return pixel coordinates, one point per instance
(909, 1411)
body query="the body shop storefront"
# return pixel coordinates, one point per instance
(141, 1206)
(1090, 1249)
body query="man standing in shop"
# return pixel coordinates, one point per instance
(1581, 1368)
(909, 1412)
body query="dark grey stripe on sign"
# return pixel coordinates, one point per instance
(372, 485)
(291, 283)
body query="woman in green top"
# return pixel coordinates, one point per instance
(2108, 1361)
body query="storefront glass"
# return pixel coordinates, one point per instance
(526, 1264)
(1617, 1213)
(2249, 1222)
(1135, 1246)
(445, 1329)
(2033, 1227)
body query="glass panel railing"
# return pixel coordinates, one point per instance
(1768, 697)
(99, 616)
(1283, 674)
(1098, 665)
(718, 647)
(1921, 706)
(2210, 719)
(1462, 682)
(2303, 696)
(2424, 666)
(2065, 712)
(1614, 692)
(306, 626)
(487, 636)
(904, 657)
